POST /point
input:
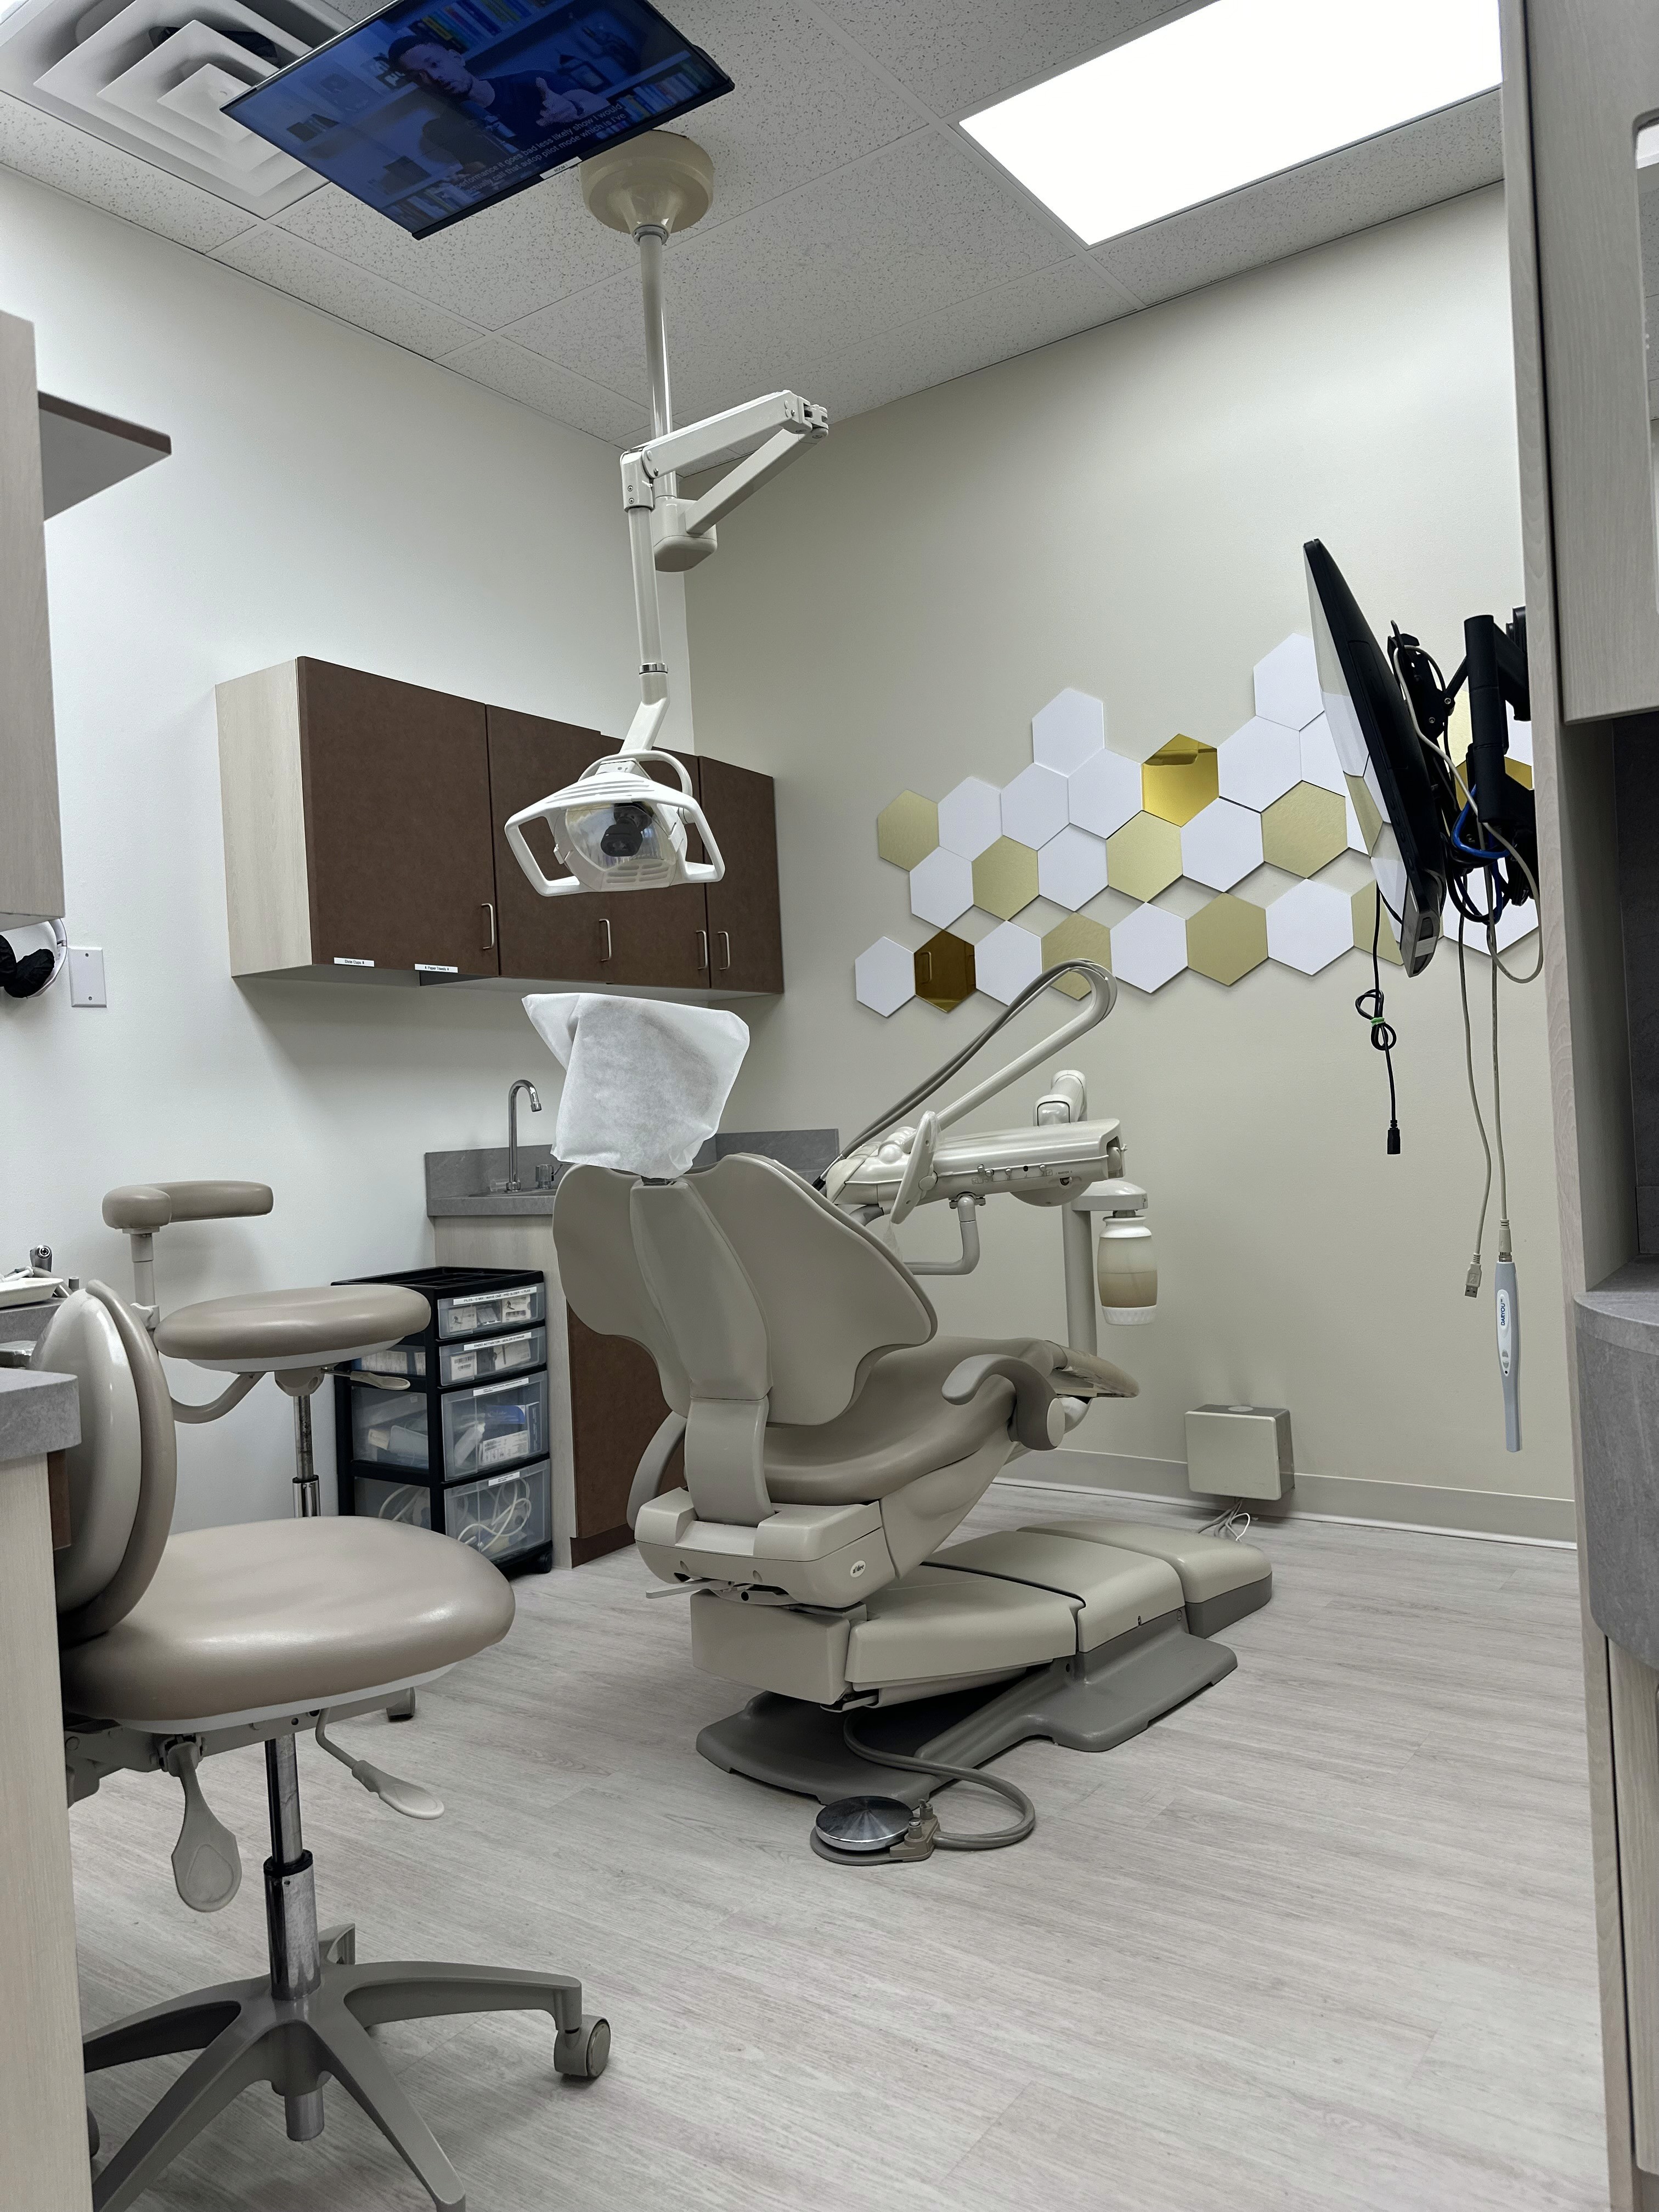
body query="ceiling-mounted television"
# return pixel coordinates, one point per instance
(433, 109)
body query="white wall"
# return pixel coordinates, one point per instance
(329, 495)
(1125, 512)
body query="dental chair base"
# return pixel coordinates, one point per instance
(1083, 1632)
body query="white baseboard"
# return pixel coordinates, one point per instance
(1317, 1497)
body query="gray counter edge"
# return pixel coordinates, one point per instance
(38, 1414)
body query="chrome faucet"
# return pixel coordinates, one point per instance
(523, 1083)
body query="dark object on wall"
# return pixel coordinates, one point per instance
(21, 978)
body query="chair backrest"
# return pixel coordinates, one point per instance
(123, 1473)
(739, 1280)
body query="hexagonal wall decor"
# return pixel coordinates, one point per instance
(1226, 938)
(1148, 947)
(1005, 878)
(971, 818)
(1072, 867)
(1287, 683)
(941, 887)
(1066, 732)
(1320, 764)
(1259, 763)
(1178, 780)
(907, 829)
(1104, 793)
(1304, 832)
(1078, 938)
(1222, 845)
(885, 977)
(1368, 929)
(1034, 805)
(1310, 926)
(1144, 857)
(1007, 961)
(1513, 924)
(944, 972)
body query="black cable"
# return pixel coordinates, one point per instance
(1385, 1037)
(994, 1839)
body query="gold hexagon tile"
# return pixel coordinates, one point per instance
(907, 829)
(1005, 878)
(1367, 906)
(1304, 832)
(1228, 938)
(1365, 811)
(944, 971)
(1144, 857)
(1179, 780)
(1077, 938)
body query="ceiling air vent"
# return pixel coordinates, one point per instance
(152, 76)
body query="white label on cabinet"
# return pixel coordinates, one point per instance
(341, 961)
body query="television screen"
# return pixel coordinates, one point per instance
(1382, 761)
(435, 108)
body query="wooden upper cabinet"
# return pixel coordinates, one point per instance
(542, 939)
(661, 938)
(745, 933)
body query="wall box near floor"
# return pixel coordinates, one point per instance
(363, 839)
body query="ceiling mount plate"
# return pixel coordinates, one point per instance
(657, 179)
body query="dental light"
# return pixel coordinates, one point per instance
(618, 827)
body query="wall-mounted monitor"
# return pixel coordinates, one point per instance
(433, 109)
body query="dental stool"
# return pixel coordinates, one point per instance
(175, 1648)
(833, 1441)
(296, 1337)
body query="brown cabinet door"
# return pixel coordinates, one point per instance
(617, 1406)
(552, 940)
(661, 936)
(744, 924)
(399, 847)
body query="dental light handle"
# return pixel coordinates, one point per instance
(1507, 1302)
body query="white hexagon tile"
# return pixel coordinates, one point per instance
(1007, 961)
(1221, 845)
(1259, 763)
(1149, 947)
(1287, 683)
(971, 818)
(941, 887)
(1071, 868)
(885, 977)
(1034, 806)
(1067, 731)
(1513, 924)
(1104, 793)
(1310, 926)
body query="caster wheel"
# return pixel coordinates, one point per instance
(94, 2138)
(583, 2054)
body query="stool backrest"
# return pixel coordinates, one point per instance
(123, 1473)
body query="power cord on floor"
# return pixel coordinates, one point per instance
(1234, 1522)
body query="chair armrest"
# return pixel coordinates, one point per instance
(1039, 1417)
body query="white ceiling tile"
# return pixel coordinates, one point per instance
(1393, 174)
(506, 367)
(277, 257)
(56, 153)
(494, 267)
(959, 55)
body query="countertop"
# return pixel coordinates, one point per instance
(38, 1414)
(458, 1184)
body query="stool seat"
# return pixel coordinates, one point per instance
(265, 1615)
(262, 1332)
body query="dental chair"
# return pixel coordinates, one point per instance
(833, 1441)
(173, 1648)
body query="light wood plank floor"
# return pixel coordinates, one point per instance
(1323, 1939)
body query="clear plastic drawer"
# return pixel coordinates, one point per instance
(487, 1356)
(393, 1501)
(397, 1360)
(516, 1309)
(495, 1425)
(503, 1515)
(389, 1426)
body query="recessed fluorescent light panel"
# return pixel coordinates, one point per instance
(1237, 90)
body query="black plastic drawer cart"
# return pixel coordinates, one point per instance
(464, 1448)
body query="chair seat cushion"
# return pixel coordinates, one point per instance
(262, 1331)
(268, 1613)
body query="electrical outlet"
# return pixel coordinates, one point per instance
(86, 974)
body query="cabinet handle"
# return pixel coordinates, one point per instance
(725, 936)
(489, 941)
(703, 949)
(605, 924)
